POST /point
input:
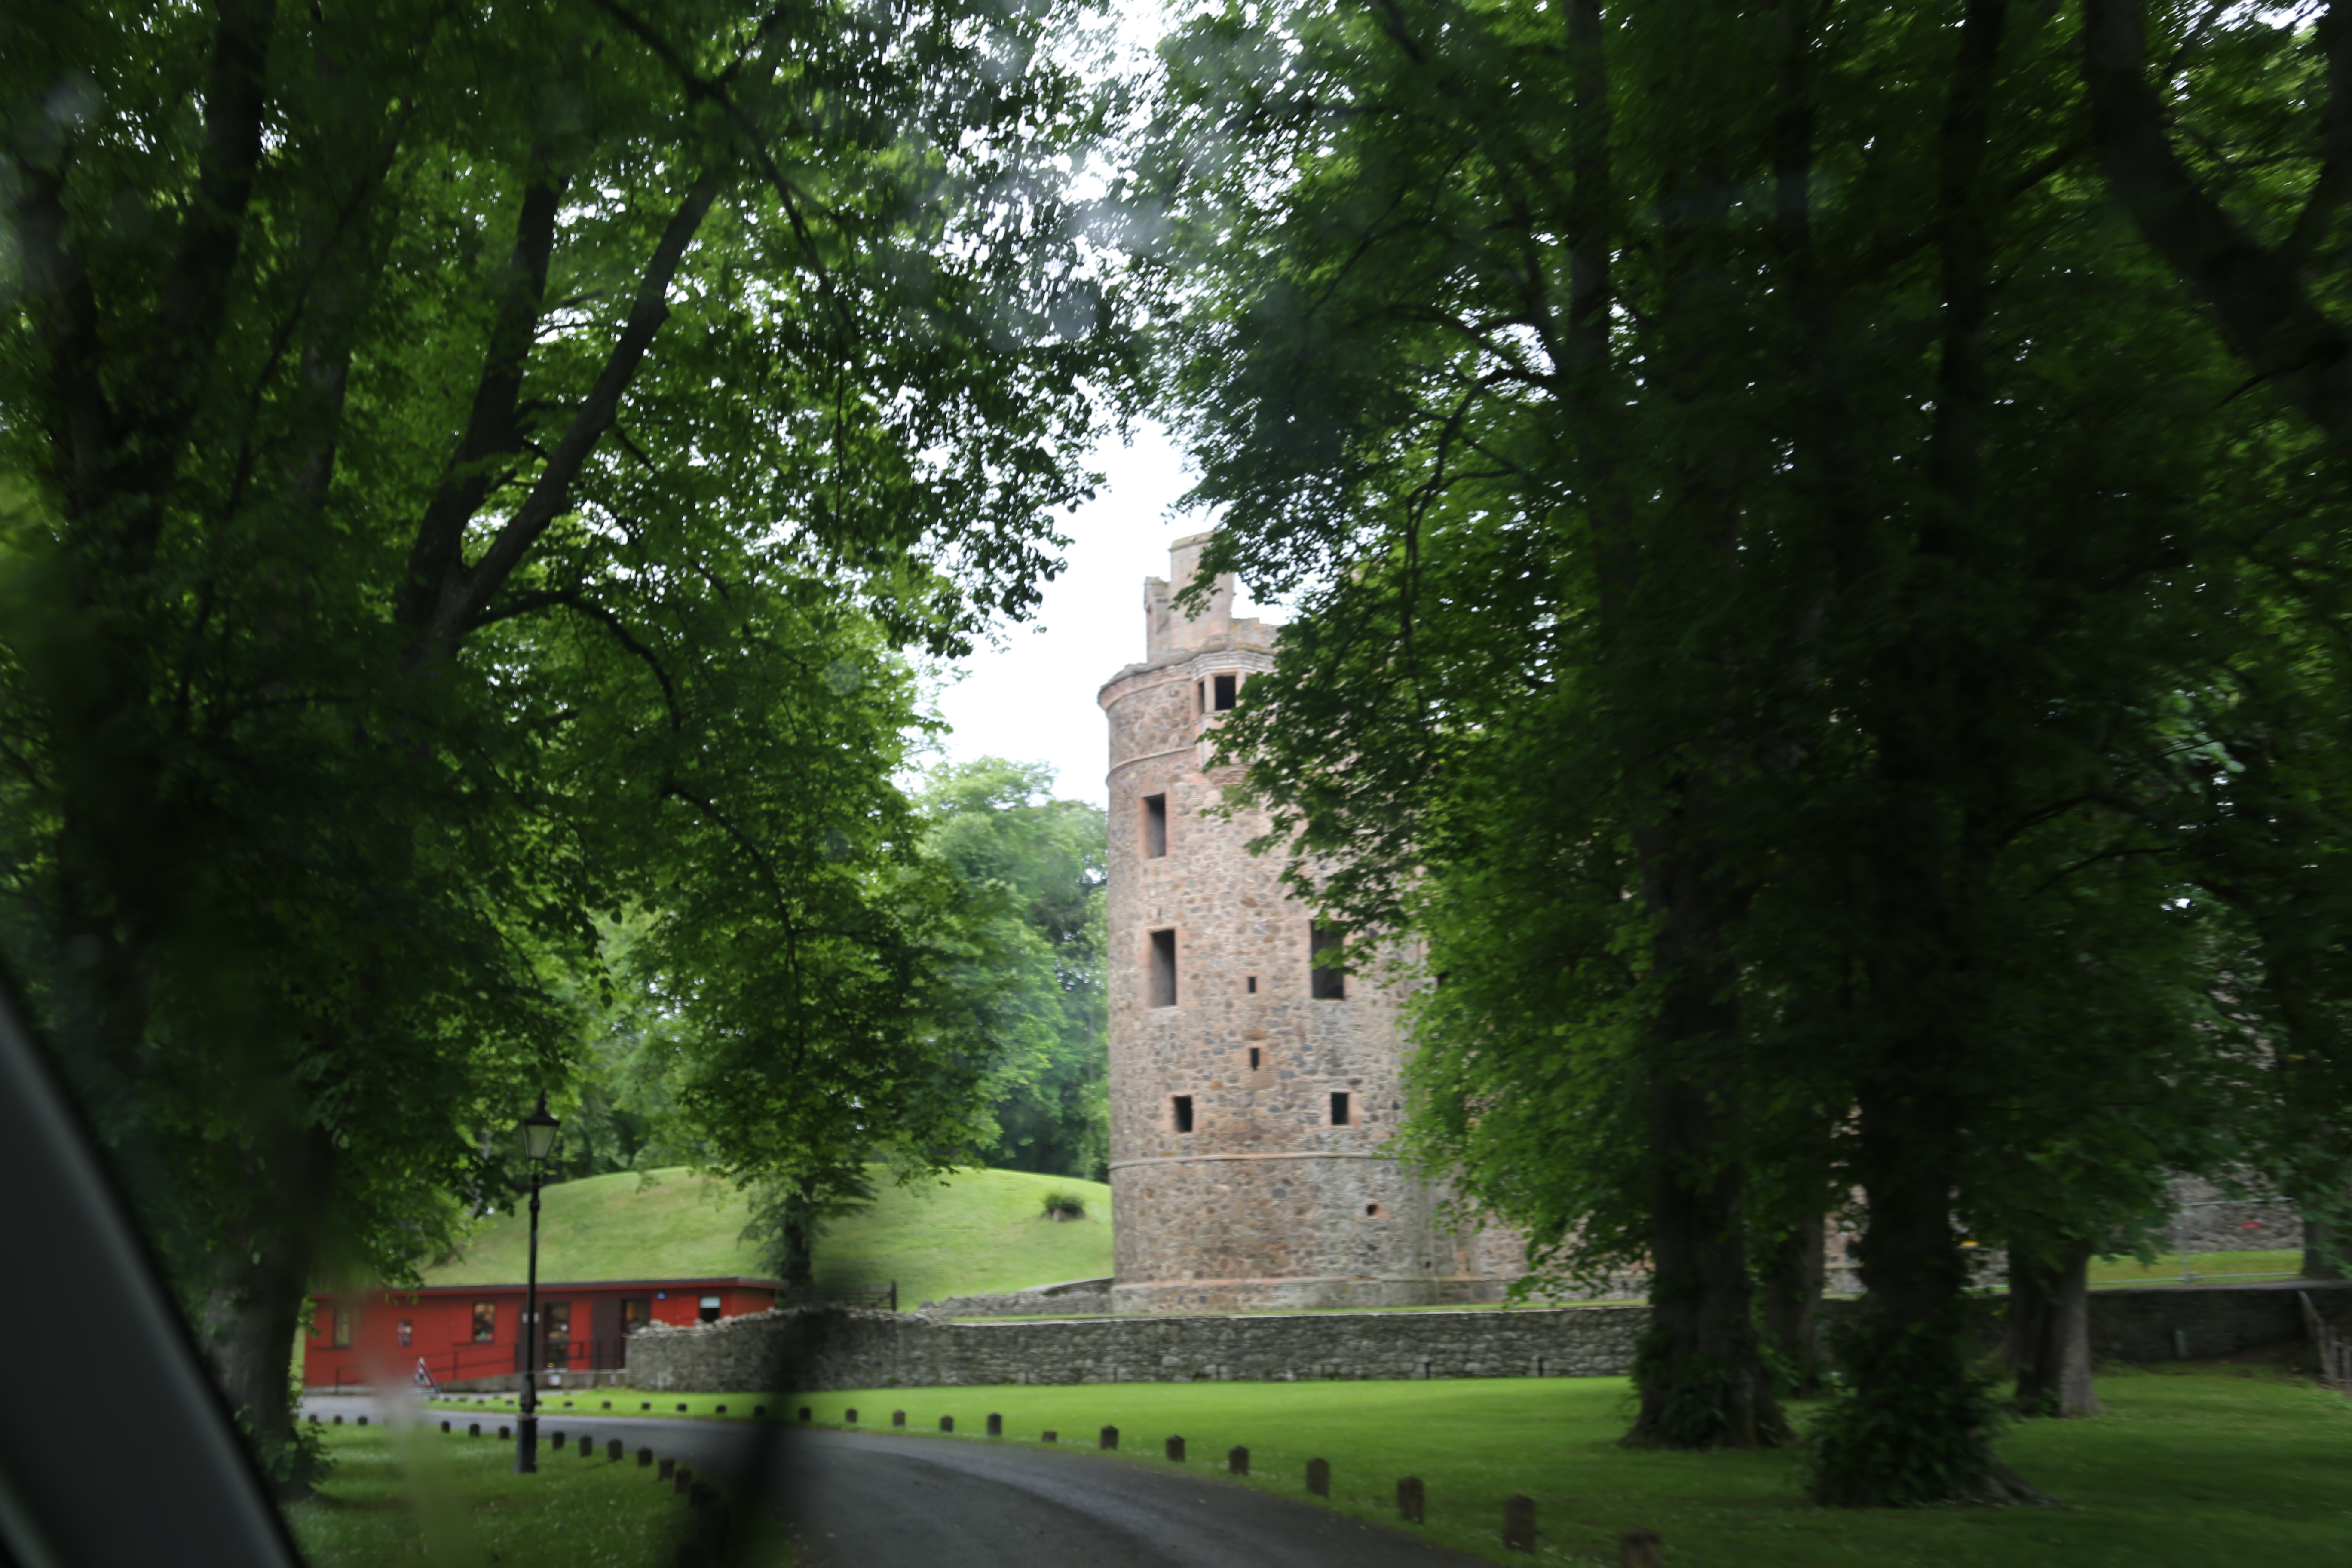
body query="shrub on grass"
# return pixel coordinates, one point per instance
(1062, 1204)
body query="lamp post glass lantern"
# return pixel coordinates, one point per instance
(539, 1129)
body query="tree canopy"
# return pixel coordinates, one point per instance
(466, 471)
(1794, 599)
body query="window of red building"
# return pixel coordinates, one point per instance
(635, 1313)
(486, 1321)
(559, 1334)
(344, 1316)
(405, 1327)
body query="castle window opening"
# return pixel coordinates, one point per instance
(1249, 984)
(1224, 690)
(1326, 981)
(1252, 1059)
(1163, 969)
(1181, 1107)
(1374, 1211)
(1155, 826)
(1339, 1108)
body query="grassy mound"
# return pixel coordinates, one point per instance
(981, 1231)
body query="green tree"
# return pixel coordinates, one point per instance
(1771, 550)
(465, 470)
(1037, 863)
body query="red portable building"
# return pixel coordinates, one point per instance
(461, 1333)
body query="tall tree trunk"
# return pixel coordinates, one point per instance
(2049, 1342)
(253, 1300)
(1701, 1372)
(800, 1242)
(2323, 1256)
(1793, 1271)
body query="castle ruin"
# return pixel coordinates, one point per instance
(1253, 1091)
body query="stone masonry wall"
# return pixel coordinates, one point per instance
(817, 1348)
(874, 1350)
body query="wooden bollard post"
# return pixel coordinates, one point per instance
(362, 1420)
(587, 1446)
(1052, 1435)
(1237, 1460)
(804, 1413)
(645, 1459)
(1412, 1502)
(681, 1407)
(1519, 1523)
(644, 1404)
(314, 1418)
(1642, 1549)
(339, 1419)
(698, 1494)
(445, 1425)
(472, 1428)
(897, 1418)
(555, 1441)
(668, 1466)
(720, 1411)
(1319, 1477)
(759, 1413)
(1176, 1449)
(608, 1405)
(1111, 1436)
(849, 1417)
(947, 1423)
(613, 1452)
(503, 1433)
(995, 1424)
(680, 1482)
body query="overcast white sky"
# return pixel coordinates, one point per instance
(1032, 699)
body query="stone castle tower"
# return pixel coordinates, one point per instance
(1252, 1092)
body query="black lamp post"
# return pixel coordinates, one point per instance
(539, 1129)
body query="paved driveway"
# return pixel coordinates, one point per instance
(864, 1499)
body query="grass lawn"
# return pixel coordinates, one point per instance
(2200, 1466)
(980, 1232)
(395, 1496)
(2166, 1270)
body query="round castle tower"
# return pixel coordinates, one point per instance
(1251, 1093)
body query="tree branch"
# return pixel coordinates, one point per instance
(194, 295)
(578, 604)
(435, 562)
(2268, 320)
(464, 598)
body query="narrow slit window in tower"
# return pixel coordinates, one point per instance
(1249, 984)
(1339, 1108)
(1155, 826)
(1253, 1059)
(1181, 1105)
(1224, 690)
(1163, 969)
(1326, 981)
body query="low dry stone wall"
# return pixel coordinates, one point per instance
(817, 1347)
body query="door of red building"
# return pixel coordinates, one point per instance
(604, 1332)
(555, 1335)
